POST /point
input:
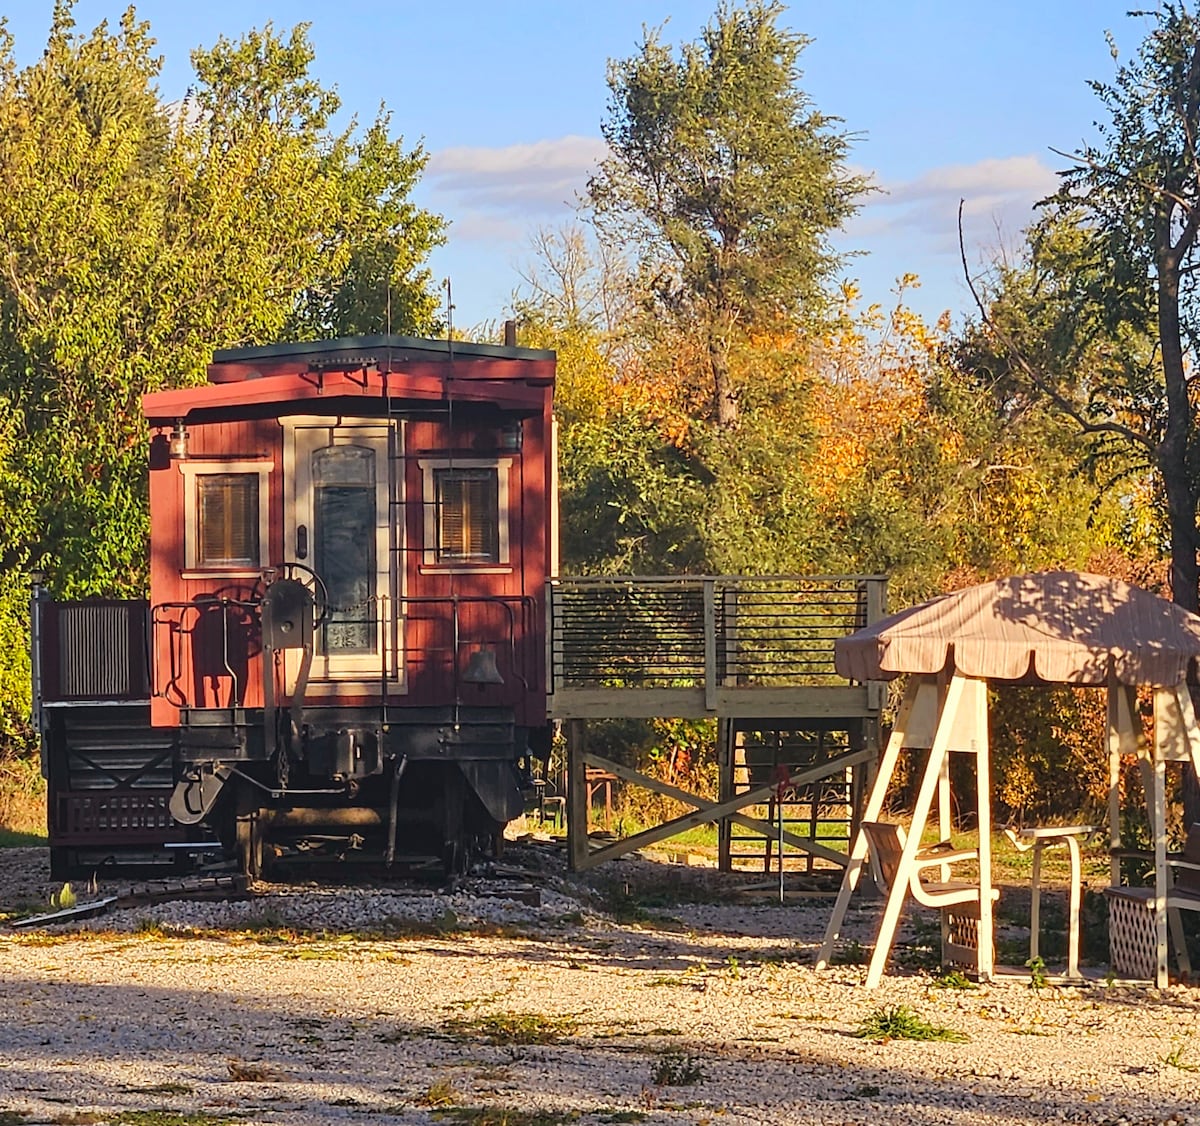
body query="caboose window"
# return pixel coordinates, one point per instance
(228, 520)
(468, 515)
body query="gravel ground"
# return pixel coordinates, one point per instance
(148, 1017)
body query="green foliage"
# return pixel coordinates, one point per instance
(513, 1028)
(726, 179)
(954, 979)
(676, 1069)
(1037, 973)
(900, 1023)
(141, 236)
(63, 899)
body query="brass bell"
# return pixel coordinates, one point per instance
(481, 668)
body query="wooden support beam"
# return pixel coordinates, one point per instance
(912, 843)
(706, 811)
(577, 806)
(917, 686)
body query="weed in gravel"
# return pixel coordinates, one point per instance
(851, 953)
(953, 979)
(1174, 1058)
(252, 1071)
(13, 1117)
(676, 1069)
(621, 1115)
(923, 951)
(399, 1034)
(1037, 973)
(900, 1023)
(512, 1028)
(439, 1094)
(623, 906)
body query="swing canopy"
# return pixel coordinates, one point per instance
(1056, 627)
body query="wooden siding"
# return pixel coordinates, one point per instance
(205, 651)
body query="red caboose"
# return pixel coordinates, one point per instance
(349, 547)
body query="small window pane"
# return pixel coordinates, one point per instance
(228, 507)
(468, 521)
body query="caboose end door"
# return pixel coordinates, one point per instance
(337, 524)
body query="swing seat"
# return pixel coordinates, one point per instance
(957, 901)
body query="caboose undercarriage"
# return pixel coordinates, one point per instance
(425, 782)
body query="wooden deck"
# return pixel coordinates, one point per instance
(752, 652)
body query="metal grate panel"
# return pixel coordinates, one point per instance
(95, 651)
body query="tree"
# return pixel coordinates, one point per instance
(727, 181)
(136, 237)
(1104, 317)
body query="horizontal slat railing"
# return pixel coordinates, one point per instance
(695, 641)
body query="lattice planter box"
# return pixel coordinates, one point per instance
(1132, 936)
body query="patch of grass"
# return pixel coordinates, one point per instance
(512, 1028)
(503, 1116)
(621, 1115)
(11, 838)
(900, 1023)
(953, 979)
(676, 1069)
(316, 954)
(161, 1089)
(865, 1091)
(439, 1094)
(13, 1117)
(142, 1118)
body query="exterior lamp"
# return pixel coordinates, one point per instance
(179, 441)
(511, 436)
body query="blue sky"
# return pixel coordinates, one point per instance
(947, 100)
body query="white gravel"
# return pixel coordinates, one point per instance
(124, 1015)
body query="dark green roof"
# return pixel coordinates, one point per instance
(394, 347)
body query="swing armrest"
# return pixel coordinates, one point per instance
(926, 858)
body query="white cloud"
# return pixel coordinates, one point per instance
(998, 196)
(530, 180)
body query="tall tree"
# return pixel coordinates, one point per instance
(727, 181)
(135, 237)
(1111, 283)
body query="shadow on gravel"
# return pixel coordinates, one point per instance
(111, 1046)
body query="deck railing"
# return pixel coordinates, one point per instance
(699, 642)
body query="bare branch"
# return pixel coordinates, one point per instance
(1086, 425)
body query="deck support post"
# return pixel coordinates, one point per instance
(577, 794)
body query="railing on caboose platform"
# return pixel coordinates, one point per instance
(697, 646)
